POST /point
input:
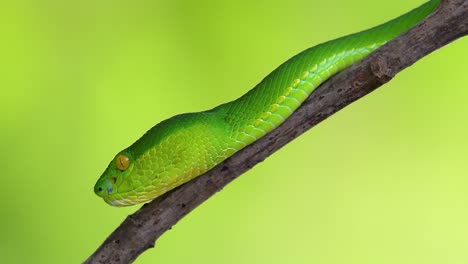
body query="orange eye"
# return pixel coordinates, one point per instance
(122, 162)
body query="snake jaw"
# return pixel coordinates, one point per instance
(121, 202)
(117, 200)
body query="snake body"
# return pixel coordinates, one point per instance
(187, 145)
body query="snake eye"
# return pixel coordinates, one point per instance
(122, 162)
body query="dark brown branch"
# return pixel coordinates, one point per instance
(139, 231)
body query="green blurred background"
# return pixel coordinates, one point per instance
(383, 181)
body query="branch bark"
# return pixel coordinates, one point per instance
(140, 230)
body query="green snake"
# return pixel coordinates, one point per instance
(185, 146)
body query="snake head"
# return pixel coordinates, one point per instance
(115, 183)
(168, 155)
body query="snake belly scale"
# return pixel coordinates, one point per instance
(185, 146)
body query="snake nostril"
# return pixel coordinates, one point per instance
(99, 189)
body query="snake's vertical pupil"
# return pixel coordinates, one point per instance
(122, 162)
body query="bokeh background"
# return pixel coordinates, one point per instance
(382, 181)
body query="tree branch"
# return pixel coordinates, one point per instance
(139, 231)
